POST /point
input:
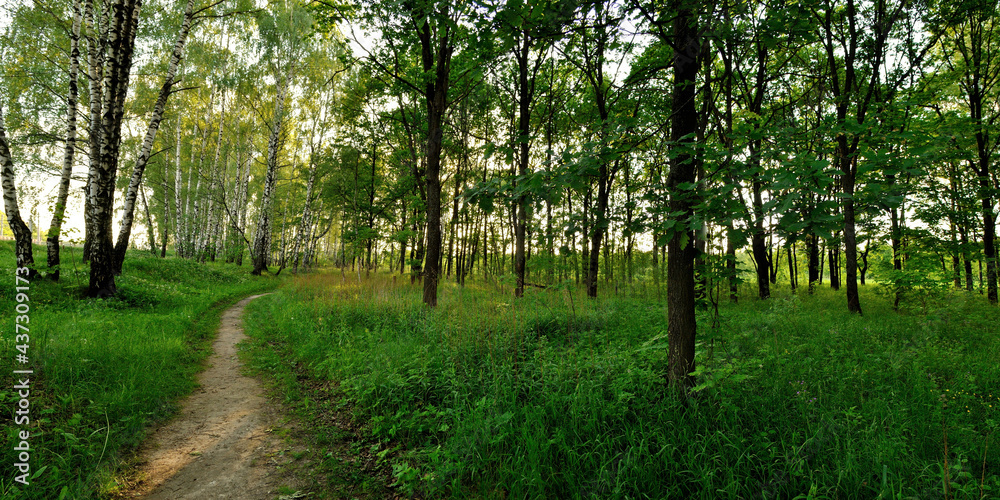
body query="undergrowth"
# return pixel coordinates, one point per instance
(557, 396)
(106, 369)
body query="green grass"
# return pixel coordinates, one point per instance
(106, 369)
(556, 396)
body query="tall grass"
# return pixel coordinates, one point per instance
(106, 369)
(557, 396)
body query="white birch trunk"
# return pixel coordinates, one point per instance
(121, 43)
(149, 222)
(194, 221)
(244, 203)
(22, 235)
(147, 144)
(262, 237)
(204, 238)
(97, 36)
(164, 233)
(179, 216)
(59, 210)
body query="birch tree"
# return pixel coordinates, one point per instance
(22, 236)
(122, 27)
(283, 40)
(125, 232)
(59, 209)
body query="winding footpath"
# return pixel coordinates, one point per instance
(221, 444)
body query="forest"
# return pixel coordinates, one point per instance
(631, 214)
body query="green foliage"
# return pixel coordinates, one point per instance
(107, 369)
(919, 285)
(553, 396)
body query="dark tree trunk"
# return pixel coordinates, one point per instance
(681, 322)
(760, 248)
(833, 261)
(792, 278)
(812, 248)
(585, 250)
(760, 257)
(600, 225)
(864, 260)
(437, 46)
(731, 264)
(989, 234)
(435, 112)
(525, 93)
(966, 258)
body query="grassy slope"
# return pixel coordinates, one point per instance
(559, 397)
(105, 369)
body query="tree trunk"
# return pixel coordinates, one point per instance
(22, 235)
(525, 92)
(150, 233)
(604, 179)
(164, 234)
(59, 210)
(204, 240)
(791, 266)
(863, 270)
(402, 241)
(96, 54)
(833, 262)
(989, 233)
(437, 57)
(121, 42)
(731, 263)
(306, 221)
(600, 226)
(243, 206)
(850, 244)
(758, 242)
(262, 238)
(760, 248)
(985, 189)
(125, 232)
(179, 229)
(681, 322)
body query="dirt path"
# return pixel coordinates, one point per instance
(221, 445)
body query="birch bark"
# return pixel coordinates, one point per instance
(22, 235)
(59, 210)
(262, 237)
(121, 43)
(147, 144)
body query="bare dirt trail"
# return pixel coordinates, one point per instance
(222, 443)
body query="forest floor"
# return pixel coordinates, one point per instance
(227, 441)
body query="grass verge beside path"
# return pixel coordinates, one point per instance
(556, 396)
(344, 458)
(104, 370)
